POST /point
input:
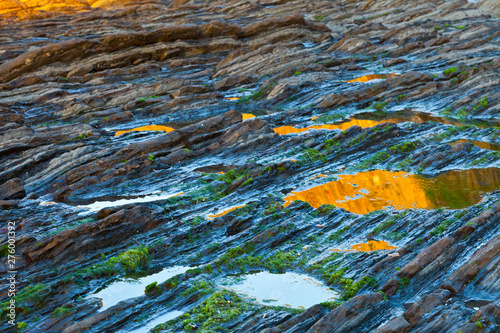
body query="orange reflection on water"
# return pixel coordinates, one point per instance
(146, 128)
(372, 246)
(480, 144)
(233, 98)
(373, 190)
(224, 212)
(366, 78)
(247, 116)
(320, 175)
(283, 130)
(27, 8)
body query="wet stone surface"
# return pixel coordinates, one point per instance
(242, 166)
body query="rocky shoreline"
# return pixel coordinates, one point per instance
(251, 166)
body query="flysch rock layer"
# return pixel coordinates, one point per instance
(208, 189)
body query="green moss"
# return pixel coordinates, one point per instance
(21, 326)
(26, 298)
(280, 261)
(351, 288)
(375, 159)
(62, 311)
(481, 104)
(210, 315)
(357, 140)
(247, 182)
(379, 106)
(338, 235)
(199, 289)
(328, 118)
(4, 250)
(142, 99)
(296, 73)
(311, 155)
(152, 287)
(81, 136)
(129, 261)
(387, 224)
(405, 163)
(403, 282)
(450, 70)
(331, 305)
(492, 156)
(404, 147)
(324, 210)
(232, 175)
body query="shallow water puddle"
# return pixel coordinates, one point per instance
(367, 78)
(283, 130)
(224, 212)
(122, 290)
(368, 191)
(371, 245)
(156, 321)
(289, 289)
(149, 198)
(147, 128)
(480, 144)
(247, 116)
(415, 117)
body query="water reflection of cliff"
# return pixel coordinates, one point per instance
(373, 190)
(29, 8)
(415, 117)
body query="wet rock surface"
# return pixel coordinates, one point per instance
(351, 142)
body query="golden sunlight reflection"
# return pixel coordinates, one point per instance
(283, 130)
(372, 246)
(224, 212)
(366, 78)
(373, 190)
(415, 117)
(233, 98)
(146, 128)
(247, 116)
(27, 8)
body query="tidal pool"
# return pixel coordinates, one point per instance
(283, 130)
(363, 120)
(367, 78)
(289, 289)
(368, 191)
(147, 128)
(122, 290)
(149, 198)
(225, 211)
(247, 116)
(372, 245)
(148, 326)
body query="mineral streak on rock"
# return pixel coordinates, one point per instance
(361, 136)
